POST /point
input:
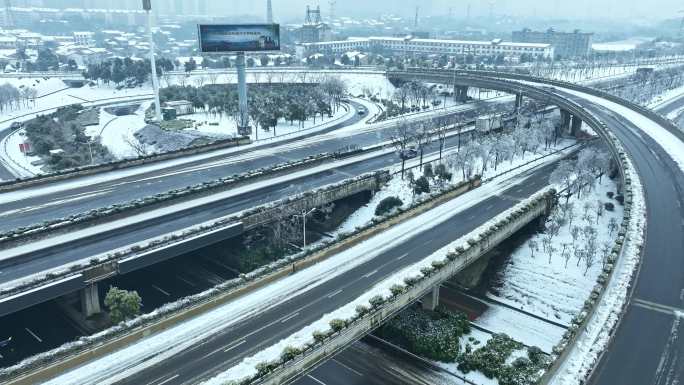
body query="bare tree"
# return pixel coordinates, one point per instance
(213, 78)
(402, 138)
(140, 148)
(533, 246)
(612, 226)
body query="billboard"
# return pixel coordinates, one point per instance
(239, 37)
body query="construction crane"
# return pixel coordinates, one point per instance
(9, 17)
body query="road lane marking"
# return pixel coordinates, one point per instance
(347, 367)
(233, 346)
(370, 274)
(472, 217)
(289, 317)
(33, 334)
(489, 207)
(334, 293)
(169, 379)
(398, 259)
(161, 290)
(186, 281)
(316, 379)
(665, 309)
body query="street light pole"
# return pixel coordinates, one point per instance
(304, 215)
(147, 6)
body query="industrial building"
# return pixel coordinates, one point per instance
(566, 44)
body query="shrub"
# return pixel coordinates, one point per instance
(442, 173)
(620, 199)
(319, 336)
(386, 205)
(289, 353)
(427, 171)
(610, 194)
(396, 290)
(122, 304)
(609, 206)
(432, 335)
(421, 186)
(338, 324)
(376, 301)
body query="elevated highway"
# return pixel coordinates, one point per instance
(660, 282)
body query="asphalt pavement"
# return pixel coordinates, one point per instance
(648, 348)
(38, 204)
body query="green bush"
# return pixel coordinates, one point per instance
(122, 304)
(421, 186)
(427, 171)
(386, 205)
(434, 335)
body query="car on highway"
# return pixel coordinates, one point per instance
(408, 153)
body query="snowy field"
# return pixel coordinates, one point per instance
(537, 278)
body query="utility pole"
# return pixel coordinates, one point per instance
(415, 21)
(9, 16)
(269, 12)
(147, 7)
(243, 127)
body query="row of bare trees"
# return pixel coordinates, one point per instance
(13, 98)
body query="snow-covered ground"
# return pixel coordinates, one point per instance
(223, 124)
(17, 162)
(543, 284)
(157, 347)
(117, 132)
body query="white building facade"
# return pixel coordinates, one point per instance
(431, 47)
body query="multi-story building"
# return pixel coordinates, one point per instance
(84, 39)
(314, 30)
(431, 46)
(566, 44)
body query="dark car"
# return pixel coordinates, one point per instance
(408, 153)
(15, 126)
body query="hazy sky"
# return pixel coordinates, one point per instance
(633, 9)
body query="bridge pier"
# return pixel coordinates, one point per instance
(461, 94)
(431, 300)
(90, 301)
(576, 126)
(570, 124)
(518, 102)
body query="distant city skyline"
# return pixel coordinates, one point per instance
(293, 10)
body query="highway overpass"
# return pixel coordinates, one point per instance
(664, 247)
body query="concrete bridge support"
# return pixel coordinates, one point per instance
(576, 126)
(431, 300)
(90, 301)
(461, 94)
(570, 123)
(518, 102)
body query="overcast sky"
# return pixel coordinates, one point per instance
(612, 9)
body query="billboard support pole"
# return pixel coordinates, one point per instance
(155, 80)
(242, 93)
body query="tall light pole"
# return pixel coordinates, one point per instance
(304, 215)
(147, 6)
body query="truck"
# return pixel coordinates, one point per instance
(487, 123)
